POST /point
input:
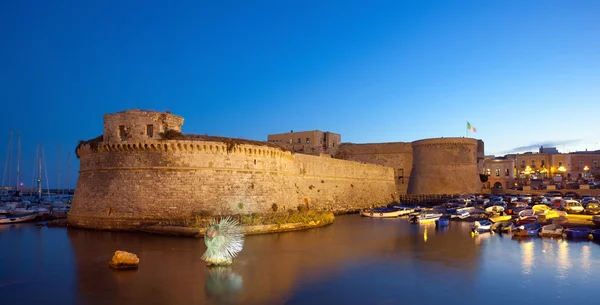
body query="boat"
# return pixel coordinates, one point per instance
(540, 208)
(500, 218)
(527, 220)
(425, 218)
(552, 230)
(495, 209)
(17, 218)
(527, 230)
(460, 213)
(483, 225)
(596, 234)
(596, 220)
(502, 227)
(578, 232)
(381, 213)
(563, 221)
(404, 210)
(442, 221)
(526, 213)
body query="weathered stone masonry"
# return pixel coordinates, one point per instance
(132, 179)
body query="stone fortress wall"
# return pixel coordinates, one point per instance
(129, 177)
(397, 155)
(424, 167)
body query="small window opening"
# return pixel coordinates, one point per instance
(150, 130)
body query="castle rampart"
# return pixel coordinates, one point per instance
(124, 184)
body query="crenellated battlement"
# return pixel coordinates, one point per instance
(190, 146)
(445, 142)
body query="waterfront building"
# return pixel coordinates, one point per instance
(500, 172)
(313, 142)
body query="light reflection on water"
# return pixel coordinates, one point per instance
(527, 249)
(354, 261)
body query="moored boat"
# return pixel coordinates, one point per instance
(552, 230)
(578, 232)
(442, 221)
(17, 218)
(527, 230)
(596, 234)
(483, 225)
(563, 221)
(425, 218)
(381, 213)
(495, 209)
(502, 227)
(527, 220)
(404, 210)
(526, 213)
(596, 220)
(500, 218)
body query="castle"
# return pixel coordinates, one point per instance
(143, 170)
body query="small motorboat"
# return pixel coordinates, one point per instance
(460, 213)
(381, 213)
(526, 213)
(527, 230)
(578, 232)
(17, 218)
(596, 220)
(403, 210)
(500, 218)
(443, 221)
(495, 209)
(596, 234)
(552, 230)
(502, 227)
(540, 208)
(483, 225)
(425, 218)
(526, 220)
(563, 221)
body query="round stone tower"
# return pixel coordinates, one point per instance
(444, 166)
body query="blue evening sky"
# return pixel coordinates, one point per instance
(522, 72)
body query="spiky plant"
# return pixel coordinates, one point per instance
(224, 239)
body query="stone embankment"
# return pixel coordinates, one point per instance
(198, 232)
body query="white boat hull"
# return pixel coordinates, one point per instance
(16, 219)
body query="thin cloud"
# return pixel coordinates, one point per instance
(536, 146)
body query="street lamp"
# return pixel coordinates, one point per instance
(585, 174)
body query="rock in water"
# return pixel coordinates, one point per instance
(224, 240)
(124, 260)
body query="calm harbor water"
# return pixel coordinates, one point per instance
(354, 261)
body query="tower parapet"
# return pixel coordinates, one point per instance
(138, 125)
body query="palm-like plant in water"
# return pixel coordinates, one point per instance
(224, 240)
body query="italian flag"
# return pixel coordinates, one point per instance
(470, 127)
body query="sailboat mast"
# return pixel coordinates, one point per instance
(58, 171)
(69, 171)
(18, 159)
(46, 172)
(35, 162)
(40, 174)
(10, 159)
(5, 168)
